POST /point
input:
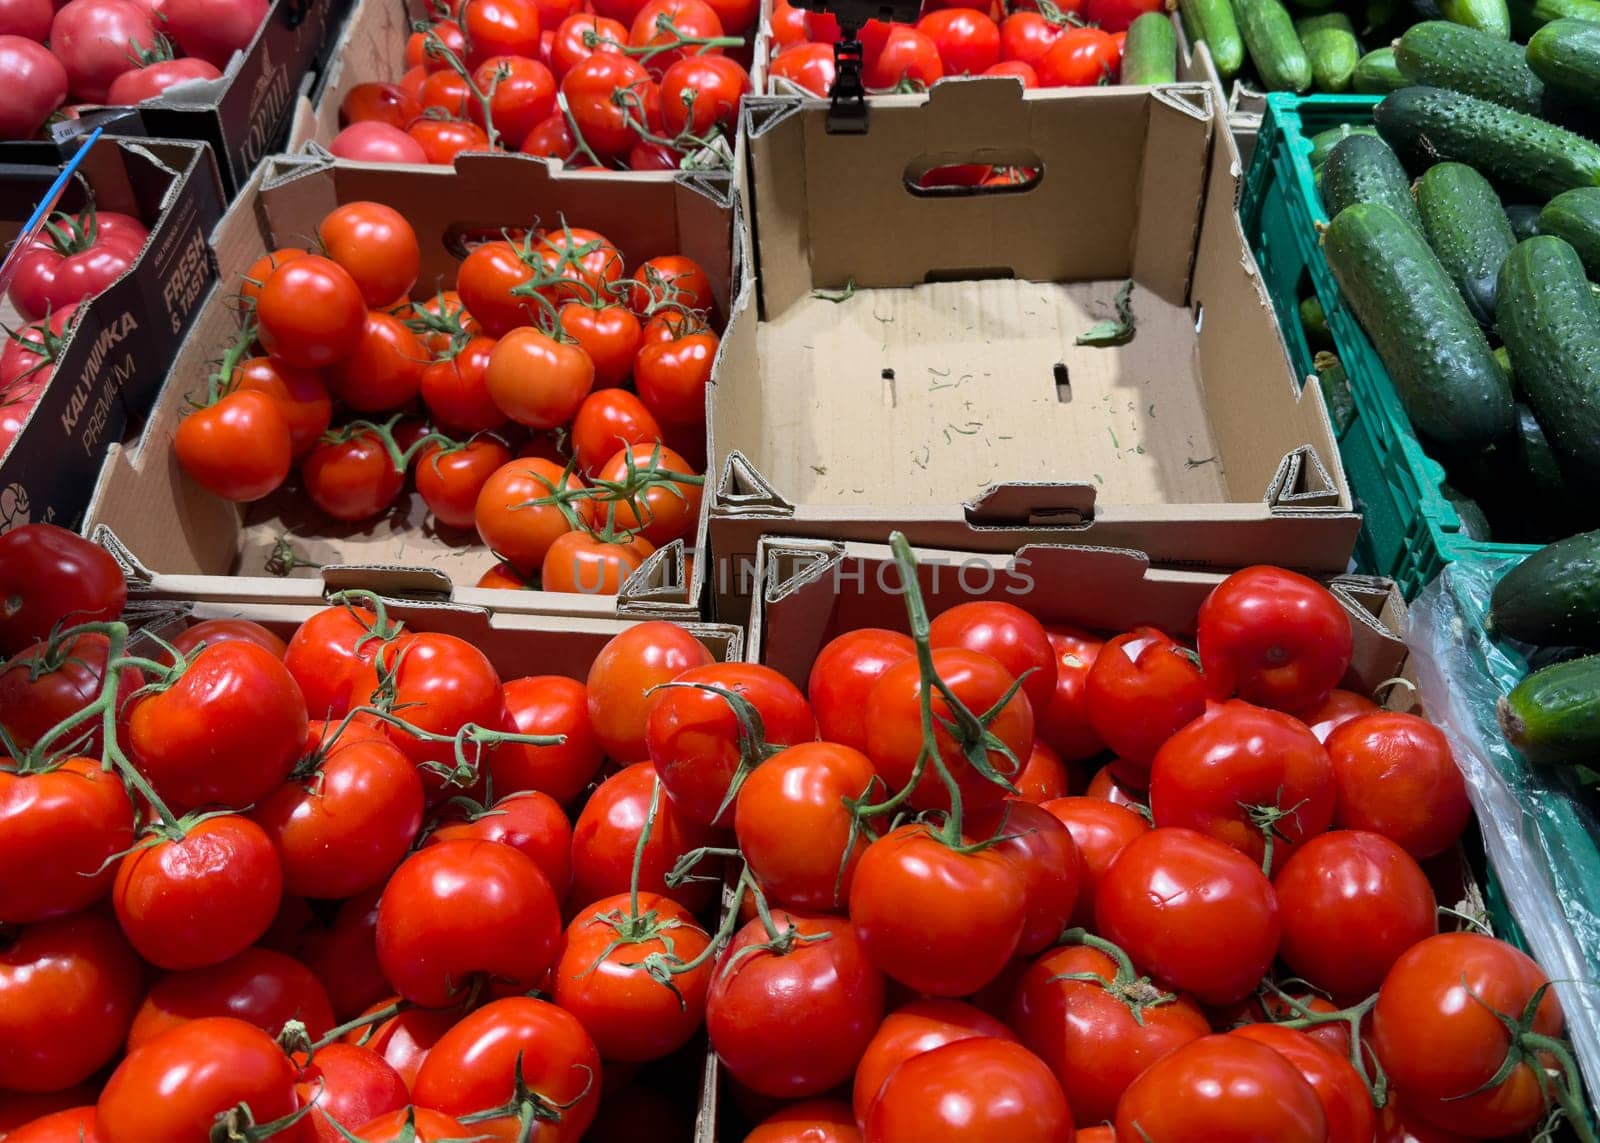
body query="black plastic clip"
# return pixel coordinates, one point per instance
(847, 110)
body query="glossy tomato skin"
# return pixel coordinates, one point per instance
(39, 75)
(455, 393)
(694, 736)
(1090, 1038)
(68, 991)
(662, 512)
(630, 1016)
(1436, 1032)
(1196, 914)
(49, 278)
(58, 832)
(1044, 777)
(326, 653)
(972, 908)
(810, 67)
(811, 1121)
(910, 1030)
(622, 675)
(608, 420)
(352, 479)
(263, 988)
(1219, 772)
(134, 87)
(239, 448)
(977, 1089)
(1009, 636)
(72, 1125)
(606, 834)
(413, 1125)
(1274, 638)
(347, 1084)
(344, 956)
(474, 1066)
(300, 395)
(383, 372)
(794, 828)
(48, 574)
(405, 1040)
(581, 562)
(844, 673)
(380, 103)
(547, 704)
(1141, 690)
(372, 142)
(1222, 1087)
(529, 822)
(1334, 711)
(449, 481)
(1352, 903)
(1063, 721)
(376, 246)
(174, 1087)
(1100, 830)
(516, 528)
(794, 1024)
(440, 684)
(311, 312)
(1338, 1086)
(1047, 862)
(461, 908)
(1397, 776)
(536, 380)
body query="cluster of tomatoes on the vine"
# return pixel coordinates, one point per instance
(117, 52)
(503, 398)
(1044, 43)
(641, 85)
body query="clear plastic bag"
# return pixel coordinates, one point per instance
(1539, 833)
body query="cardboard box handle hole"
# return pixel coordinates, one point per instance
(930, 178)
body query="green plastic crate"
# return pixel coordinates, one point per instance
(1409, 531)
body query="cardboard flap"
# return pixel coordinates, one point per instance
(382, 579)
(1303, 481)
(660, 585)
(1022, 504)
(134, 571)
(741, 489)
(762, 113)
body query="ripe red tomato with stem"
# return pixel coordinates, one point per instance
(1062, 719)
(41, 84)
(134, 87)
(454, 389)
(442, 140)
(30, 353)
(261, 269)
(1100, 830)
(609, 333)
(908, 60)
(327, 651)
(1339, 1087)
(311, 312)
(447, 34)
(968, 42)
(499, 28)
(553, 705)
(1198, 915)
(1178, 1098)
(60, 828)
(1274, 638)
(1079, 57)
(463, 909)
(702, 92)
(1097, 1022)
(68, 991)
(576, 264)
(384, 370)
(376, 246)
(610, 420)
(450, 477)
(49, 575)
(843, 675)
(347, 1084)
(580, 36)
(624, 673)
(200, 29)
(678, 29)
(405, 1038)
(1005, 633)
(239, 448)
(1044, 776)
(263, 988)
(522, 94)
(528, 821)
(1397, 776)
(1141, 690)
(1047, 862)
(810, 67)
(355, 472)
(300, 395)
(914, 1028)
(53, 680)
(487, 281)
(607, 125)
(792, 1016)
(414, 1125)
(593, 563)
(973, 1088)
(672, 377)
(652, 490)
(536, 380)
(525, 506)
(606, 846)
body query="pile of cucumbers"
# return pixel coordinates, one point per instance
(1465, 233)
(1335, 46)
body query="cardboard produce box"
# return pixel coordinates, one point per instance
(163, 525)
(123, 340)
(908, 358)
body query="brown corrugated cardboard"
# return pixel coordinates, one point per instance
(945, 395)
(126, 337)
(145, 509)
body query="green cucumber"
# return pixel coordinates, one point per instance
(1315, 323)
(1322, 142)
(1214, 23)
(1330, 43)
(1269, 34)
(1552, 598)
(1437, 53)
(1336, 393)
(1550, 321)
(1524, 219)
(1427, 125)
(1364, 169)
(1566, 55)
(1438, 358)
(1528, 16)
(1151, 53)
(1378, 74)
(1553, 715)
(1491, 16)
(1474, 524)
(1574, 217)
(1467, 228)
(1537, 458)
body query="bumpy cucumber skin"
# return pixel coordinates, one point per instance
(1426, 125)
(1437, 53)
(1553, 715)
(1552, 598)
(1491, 16)
(1574, 217)
(1467, 228)
(1324, 141)
(1440, 362)
(1566, 55)
(1378, 74)
(1151, 54)
(1528, 16)
(1330, 43)
(1215, 24)
(1550, 322)
(1269, 35)
(1364, 169)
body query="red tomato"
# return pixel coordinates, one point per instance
(210, 31)
(1095, 1042)
(609, 128)
(352, 477)
(78, 258)
(73, 1125)
(1063, 719)
(512, 521)
(1030, 80)
(664, 23)
(1272, 637)
(909, 58)
(573, 37)
(1334, 711)
(1246, 776)
(971, 1089)
(1117, 15)
(788, 24)
(439, 684)
(672, 377)
(529, 822)
(347, 1084)
(68, 991)
(1338, 1086)
(972, 908)
(1002, 631)
(300, 395)
(608, 333)
(918, 1027)
(844, 673)
(263, 988)
(1043, 776)
(792, 1020)
(1397, 777)
(547, 704)
(261, 269)
(48, 574)
(1105, 785)
(59, 830)
(449, 480)
(809, 67)
(701, 92)
(239, 448)
(311, 312)
(605, 840)
(456, 393)
(581, 562)
(345, 956)
(384, 372)
(420, 52)
(663, 509)
(1352, 902)
(379, 103)
(536, 380)
(185, 739)
(610, 420)
(1046, 859)
(37, 81)
(1438, 1032)
(442, 140)
(968, 42)
(376, 246)
(150, 81)
(894, 728)
(1079, 57)
(499, 28)
(94, 39)
(1141, 690)
(812, 1121)
(599, 976)
(202, 898)
(623, 674)
(405, 1040)
(1223, 1087)
(414, 1125)
(1100, 830)
(460, 908)
(326, 653)
(45, 685)
(1198, 915)
(372, 142)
